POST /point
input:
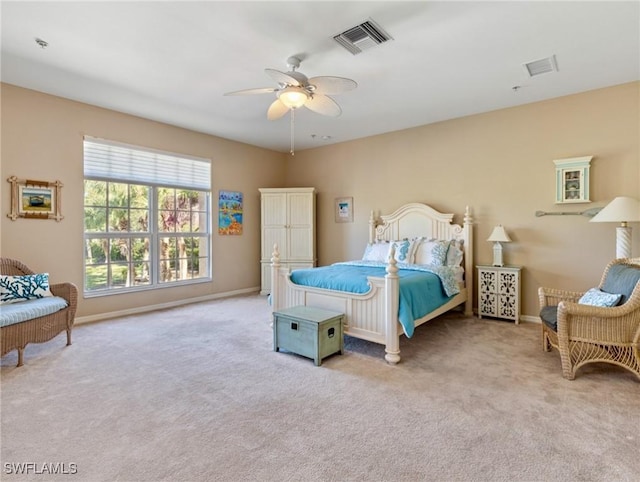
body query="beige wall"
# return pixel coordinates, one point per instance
(500, 164)
(42, 139)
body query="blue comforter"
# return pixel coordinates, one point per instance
(422, 288)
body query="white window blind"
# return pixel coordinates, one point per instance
(114, 161)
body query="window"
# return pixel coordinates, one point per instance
(146, 218)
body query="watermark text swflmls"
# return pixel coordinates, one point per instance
(49, 468)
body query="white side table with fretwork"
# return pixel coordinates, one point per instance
(499, 292)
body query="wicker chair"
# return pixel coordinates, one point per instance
(44, 328)
(588, 334)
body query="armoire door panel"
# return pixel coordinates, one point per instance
(300, 244)
(274, 209)
(300, 210)
(271, 236)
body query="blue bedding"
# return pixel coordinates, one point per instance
(422, 288)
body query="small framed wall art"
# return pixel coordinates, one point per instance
(344, 210)
(35, 199)
(230, 213)
(572, 180)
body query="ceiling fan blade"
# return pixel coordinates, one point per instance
(262, 90)
(276, 110)
(281, 77)
(323, 104)
(332, 85)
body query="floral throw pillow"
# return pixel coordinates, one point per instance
(14, 289)
(596, 297)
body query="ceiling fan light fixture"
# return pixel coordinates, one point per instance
(293, 97)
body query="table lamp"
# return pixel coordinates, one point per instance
(498, 235)
(621, 210)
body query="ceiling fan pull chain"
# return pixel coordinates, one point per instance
(292, 131)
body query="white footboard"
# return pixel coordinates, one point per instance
(371, 316)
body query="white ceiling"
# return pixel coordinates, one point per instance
(173, 61)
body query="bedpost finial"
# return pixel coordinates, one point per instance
(275, 256)
(372, 227)
(468, 219)
(392, 268)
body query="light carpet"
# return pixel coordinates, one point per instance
(197, 393)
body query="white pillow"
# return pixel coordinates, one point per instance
(415, 243)
(432, 251)
(376, 252)
(596, 297)
(14, 289)
(455, 253)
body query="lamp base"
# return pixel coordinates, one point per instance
(623, 242)
(497, 254)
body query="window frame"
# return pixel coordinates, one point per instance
(153, 233)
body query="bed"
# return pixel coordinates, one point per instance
(375, 314)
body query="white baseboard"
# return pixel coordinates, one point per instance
(525, 318)
(530, 319)
(144, 309)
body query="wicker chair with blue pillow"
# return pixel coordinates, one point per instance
(607, 329)
(38, 318)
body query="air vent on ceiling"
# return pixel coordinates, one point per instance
(362, 37)
(542, 66)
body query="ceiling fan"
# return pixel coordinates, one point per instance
(295, 90)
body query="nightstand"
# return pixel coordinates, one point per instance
(499, 292)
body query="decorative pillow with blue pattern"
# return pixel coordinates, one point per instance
(14, 289)
(432, 252)
(596, 297)
(403, 252)
(455, 254)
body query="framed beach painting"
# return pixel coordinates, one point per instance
(230, 213)
(35, 199)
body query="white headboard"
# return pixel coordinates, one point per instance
(413, 220)
(416, 219)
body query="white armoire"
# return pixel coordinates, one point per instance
(288, 220)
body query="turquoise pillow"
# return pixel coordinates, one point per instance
(595, 297)
(14, 289)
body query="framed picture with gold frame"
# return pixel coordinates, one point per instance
(35, 199)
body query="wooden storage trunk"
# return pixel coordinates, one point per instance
(307, 331)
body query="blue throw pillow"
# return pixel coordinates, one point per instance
(596, 297)
(22, 288)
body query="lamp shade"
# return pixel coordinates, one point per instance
(499, 235)
(621, 209)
